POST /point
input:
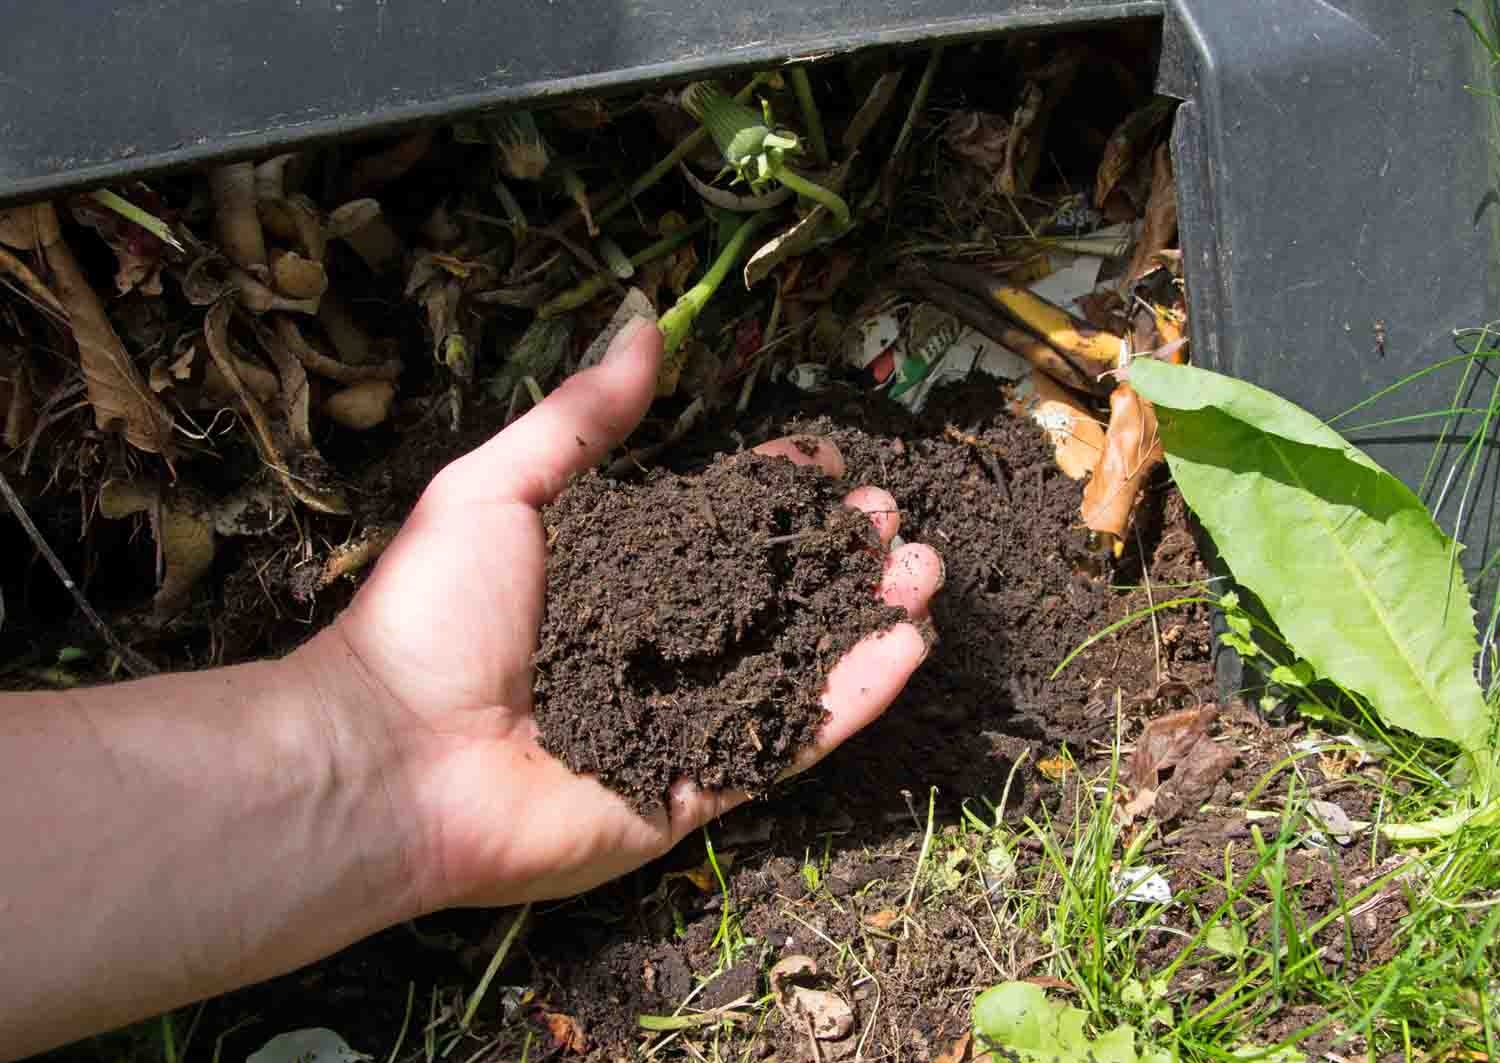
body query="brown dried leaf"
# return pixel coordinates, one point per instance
(1077, 436)
(117, 390)
(184, 537)
(1160, 227)
(286, 448)
(567, 1035)
(1132, 449)
(957, 1052)
(352, 558)
(1164, 744)
(361, 406)
(980, 138)
(372, 172)
(1129, 143)
(883, 919)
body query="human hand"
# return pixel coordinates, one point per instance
(443, 632)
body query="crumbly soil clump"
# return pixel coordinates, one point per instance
(692, 620)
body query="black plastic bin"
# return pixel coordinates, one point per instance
(1334, 171)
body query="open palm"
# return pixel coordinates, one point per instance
(446, 627)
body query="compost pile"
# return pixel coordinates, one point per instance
(697, 648)
(222, 392)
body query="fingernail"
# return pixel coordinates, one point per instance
(625, 339)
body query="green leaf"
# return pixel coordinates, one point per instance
(1227, 939)
(1019, 1018)
(1347, 561)
(1297, 674)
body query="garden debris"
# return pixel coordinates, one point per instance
(1332, 819)
(1177, 744)
(237, 218)
(184, 531)
(824, 1015)
(703, 876)
(1132, 451)
(117, 391)
(361, 406)
(1130, 143)
(1075, 432)
(1142, 885)
(563, 1032)
(1160, 227)
(138, 253)
(313, 1045)
(286, 445)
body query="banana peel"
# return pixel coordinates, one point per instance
(1092, 349)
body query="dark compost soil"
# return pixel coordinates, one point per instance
(692, 620)
(1022, 590)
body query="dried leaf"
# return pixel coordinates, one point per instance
(1055, 768)
(1128, 144)
(352, 558)
(957, 1052)
(184, 536)
(980, 138)
(1160, 227)
(286, 448)
(372, 172)
(703, 876)
(1132, 449)
(566, 1034)
(361, 406)
(1164, 744)
(117, 390)
(883, 919)
(1077, 436)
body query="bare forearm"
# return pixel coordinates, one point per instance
(172, 838)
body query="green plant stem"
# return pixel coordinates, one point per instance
(496, 962)
(590, 288)
(145, 219)
(802, 85)
(677, 322)
(918, 101)
(688, 145)
(816, 192)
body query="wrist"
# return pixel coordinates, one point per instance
(363, 750)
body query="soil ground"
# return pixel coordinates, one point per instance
(1022, 590)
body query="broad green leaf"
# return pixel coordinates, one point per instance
(1019, 1018)
(1345, 558)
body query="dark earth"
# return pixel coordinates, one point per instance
(1023, 589)
(692, 620)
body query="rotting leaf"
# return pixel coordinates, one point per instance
(116, 388)
(1132, 449)
(566, 1034)
(184, 535)
(1076, 435)
(17, 403)
(1178, 743)
(1160, 227)
(1129, 143)
(299, 467)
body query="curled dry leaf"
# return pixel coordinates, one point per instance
(827, 1014)
(1132, 449)
(1177, 743)
(361, 224)
(286, 447)
(361, 406)
(1160, 227)
(1128, 144)
(237, 217)
(259, 298)
(296, 277)
(19, 271)
(565, 1032)
(289, 335)
(733, 201)
(117, 390)
(1076, 435)
(297, 222)
(184, 535)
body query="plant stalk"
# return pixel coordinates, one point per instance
(677, 322)
(591, 287)
(811, 118)
(816, 192)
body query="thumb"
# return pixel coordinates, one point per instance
(570, 432)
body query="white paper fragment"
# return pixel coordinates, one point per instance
(316, 1044)
(1144, 885)
(1071, 283)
